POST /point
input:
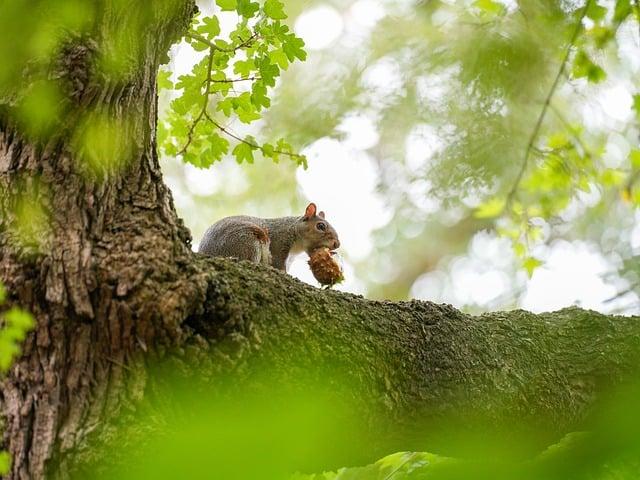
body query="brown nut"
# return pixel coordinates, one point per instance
(325, 268)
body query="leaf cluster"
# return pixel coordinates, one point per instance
(15, 323)
(230, 83)
(566, 164)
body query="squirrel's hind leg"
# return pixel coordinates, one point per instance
(262, 252)
(253, 243)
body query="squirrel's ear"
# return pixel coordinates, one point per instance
(321, 214)
(310, 211)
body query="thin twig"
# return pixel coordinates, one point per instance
(235, 80)
(213, 46)
(228, 132)
(205, 103)
(621, 294)
(571, 130)
(554, 86)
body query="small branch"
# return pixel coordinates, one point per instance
(205, 103)
(247, 42)
(554, 86)
(235, 80)
(622, 293)
(228, 132)
(571, 130)
(213, 46)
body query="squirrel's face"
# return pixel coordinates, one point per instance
(318, 232)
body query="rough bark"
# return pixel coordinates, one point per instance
(114, 285)
(109, 269)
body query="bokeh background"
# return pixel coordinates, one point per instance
(395, 109)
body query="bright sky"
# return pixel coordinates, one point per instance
(573, 273)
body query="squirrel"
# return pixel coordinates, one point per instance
(269, 240)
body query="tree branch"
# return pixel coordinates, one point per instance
(417, 373)
(253, 145)
(205, 104)
(213, 46)
(541, 116)
(571, 130)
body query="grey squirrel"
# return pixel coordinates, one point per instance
(269, 240)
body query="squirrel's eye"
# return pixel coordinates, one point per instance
(321, 226)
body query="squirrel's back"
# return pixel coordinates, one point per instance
(239, 236)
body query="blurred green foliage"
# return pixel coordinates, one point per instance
(269, 432)
(15, 323)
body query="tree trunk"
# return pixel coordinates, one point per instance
(112, 283)
(107, 277)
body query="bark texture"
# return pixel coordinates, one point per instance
(107, 268)
(113, 285)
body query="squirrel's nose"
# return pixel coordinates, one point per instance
(336, 244)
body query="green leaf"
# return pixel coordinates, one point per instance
(247, 8)
(274, 9)
(243, 153)
(596, 74)
(244, 67)
(519, 249)
(241, 33)
(225, 106)
(3, 294)
(163, 80)
(612, 177)
(219, 146)
(19, 319)
(634, 156)
(220, 60)
(16, 325)
(268, 150)
(491, 208)
(210, 28)
(5, 463)
(268, 72)
(584, 67)
(293, 47)
(220, 84)
(259, 96)
(622, 10)
(601, 35)
(489, 6)
(222, 44)
(283, 146)
(558, 141)
(530, 264)
(226, 5)
(248, 116)
(636, 105)
(197, 45)
(280, 58)
(596, 12)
